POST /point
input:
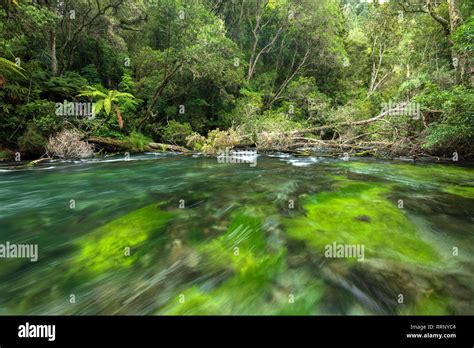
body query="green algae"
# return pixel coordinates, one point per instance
(304, 297)
(250, 295)
(358, 213)
(414, 174)
(192, 302)
(428, 304)
(242, 248)
(241, 296)
(450, 179)
(243, 251)
(105, 247)
(463, 191)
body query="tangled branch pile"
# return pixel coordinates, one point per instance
(67, 144)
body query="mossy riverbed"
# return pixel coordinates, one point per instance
(181, 235)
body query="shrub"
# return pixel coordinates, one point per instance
(67, 144)
(5, 155)
(66, 86)
(218, 140)
(268, 123)
(176, 132)
(272, 141)
(45, 118)
(215, 142)
(455, 130)
(138, 140)
(195, 141)
(90, 73)
(32, 142)
(464, 36)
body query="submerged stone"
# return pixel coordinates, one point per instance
(386, 287)
(363, 218)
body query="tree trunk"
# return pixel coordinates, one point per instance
(462, 64)
(460, 61)
(289, 79)
(444, 23)
(454, 15)
(52, 45)
(158, 92)
(120, 145)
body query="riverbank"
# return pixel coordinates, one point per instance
(106, 147)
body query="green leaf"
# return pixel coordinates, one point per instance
(9, 65)
(98, 106)
(92, 94)
(107, 105)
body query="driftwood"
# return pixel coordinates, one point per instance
(121, 145)
(168, 147)
(33, 163)
(333, 144)
(109, 143)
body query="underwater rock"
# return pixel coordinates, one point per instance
(385, 287)
(363, 218)
(183, 255)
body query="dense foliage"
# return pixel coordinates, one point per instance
(174, 70)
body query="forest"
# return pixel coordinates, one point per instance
(346, 77)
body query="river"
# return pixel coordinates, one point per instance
(165, 234)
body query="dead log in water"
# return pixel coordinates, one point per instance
(114, 145)
(167, 147)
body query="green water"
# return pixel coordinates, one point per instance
(170, 234)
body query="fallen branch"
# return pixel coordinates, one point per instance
(39, 160)
(168, 147)
(115, 144)
(109, 143)
(400, 107)
(33, 163)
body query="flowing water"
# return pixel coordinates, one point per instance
(172, 234)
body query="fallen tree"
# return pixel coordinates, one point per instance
(400, 107)
(303, 141)
(113, 145)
